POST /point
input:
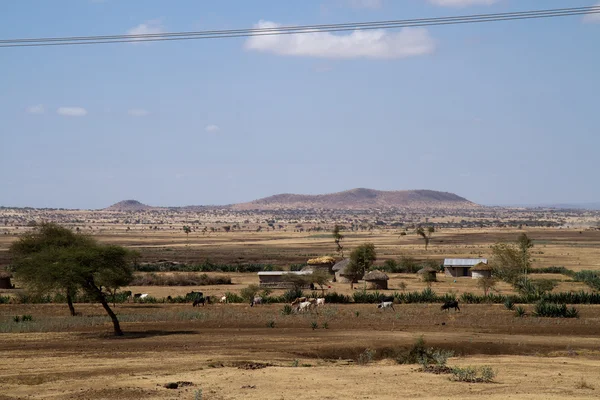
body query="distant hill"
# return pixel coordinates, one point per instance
(360, 199)
(129, 205)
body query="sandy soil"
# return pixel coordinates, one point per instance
(535, 358)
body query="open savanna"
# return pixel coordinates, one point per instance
(58, 356)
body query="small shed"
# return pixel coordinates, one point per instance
(458, 267)
(340, 271)
(277, 279)
(5, 282)
(481, 270)
(428, 274)
(376, 280)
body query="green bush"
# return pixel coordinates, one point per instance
(4, 299)
(471, 374)
(552, 270)
(509, 304)
(233, 298)
(543, 309)
(365, 357)
(590, 278)
(362, 296)
(287, 310)
(519, 312)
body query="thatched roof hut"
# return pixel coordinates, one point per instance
(427, 273)
(340, 271)
(481, 270)
(324, 263)
(376, 280)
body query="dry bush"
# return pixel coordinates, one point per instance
(180, 279)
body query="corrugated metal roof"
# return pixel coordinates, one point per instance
(463, 262)
(275, 273)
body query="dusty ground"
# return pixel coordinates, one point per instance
(57, 356)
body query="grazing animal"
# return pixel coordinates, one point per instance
(386, 304)
(298, 300)
(169, 298)
(304, 306)
(198, 301)
(137, 295)
(143, 295)
(320, 301)
(256, 300)
(450, 304)
(223, 299)
(383, 298)
(127, 295)
(208, 299)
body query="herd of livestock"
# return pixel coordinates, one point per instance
(303, 304)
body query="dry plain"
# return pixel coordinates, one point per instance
(216, 347)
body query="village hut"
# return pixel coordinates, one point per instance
(481, 270)
(340, 271)
(5, 282)
(428, 274)
(376, 280)
(325, 263)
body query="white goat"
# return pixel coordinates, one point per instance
(386, 304)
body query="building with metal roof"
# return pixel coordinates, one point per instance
(458, 267)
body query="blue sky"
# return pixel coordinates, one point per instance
(500, 113)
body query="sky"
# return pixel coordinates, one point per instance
(499, 113)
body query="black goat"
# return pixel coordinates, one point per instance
(450, 304)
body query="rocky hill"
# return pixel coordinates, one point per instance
(129, 205)
(361, 199)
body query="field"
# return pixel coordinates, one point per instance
(342, 351)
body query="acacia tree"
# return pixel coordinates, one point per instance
(426, 238)
(487, 283)
(321, 278)
(361, 259)
(511, 261)
(338, 237)
(52, 258)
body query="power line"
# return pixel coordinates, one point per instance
(301, 29)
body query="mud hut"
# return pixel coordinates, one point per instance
(340, 271)
(376, 280)
(481, 270)
(428, 274)
(5, 282)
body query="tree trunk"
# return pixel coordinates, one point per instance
(70, 303)
(91, 286)
(113, 317)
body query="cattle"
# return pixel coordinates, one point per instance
(191, 296)
(256, 300)
(137, 295)
(386, 304)
(299, 300)
(140, 296)
(450, 304)
(383, 298)
(304, 306)
(143, 295)
(198, 301)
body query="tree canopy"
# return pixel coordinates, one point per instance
(361, 259)
(52, 258)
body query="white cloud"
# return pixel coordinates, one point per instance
(72, 111)
(153, 26)
(37, 109)
(592, 18)
(367, 44)
(365, 3)
(462, 3)
(138, 112)
(212, 128)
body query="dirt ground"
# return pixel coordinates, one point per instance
(215, 348)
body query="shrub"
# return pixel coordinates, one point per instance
(292, 295)
(543, 309)
(26, 318)
(590, 278)
(473, 374)
(365, 357)
(4, 299)
(17, 319)
(325, 325)
(314, 325)
(233, 298)
(248, 293)
(552, 270)
(335, 297)
(509, 304)
(362, 296)
(271, 324)
(519, 312)
(287, 310)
